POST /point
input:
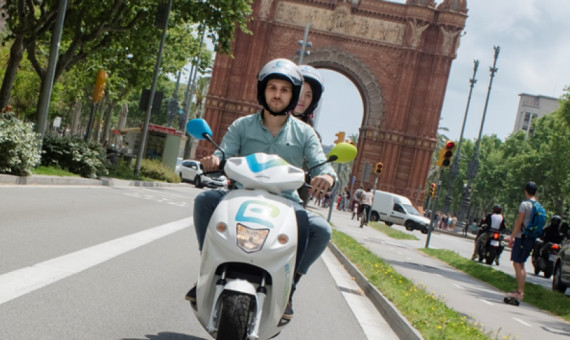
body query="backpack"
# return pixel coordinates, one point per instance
(537, 221)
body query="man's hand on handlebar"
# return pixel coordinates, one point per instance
(210, 163)
(320, 185)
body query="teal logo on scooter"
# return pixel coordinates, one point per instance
(255, 166)
(259, 212)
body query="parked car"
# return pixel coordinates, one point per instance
(189, 171)
(561, 278)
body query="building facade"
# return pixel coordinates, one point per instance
(531, 107)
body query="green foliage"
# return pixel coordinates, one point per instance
(53, 171)
(156, 170)
(123, 170)
(426, 312)
(504, 167)
(19, 146)
(74, 155)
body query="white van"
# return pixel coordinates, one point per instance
(396, 209)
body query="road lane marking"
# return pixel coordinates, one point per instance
(458, 286)
(371, 321)
(25, 280)
(487, 302)
(524, 323)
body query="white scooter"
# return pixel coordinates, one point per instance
(248, 257)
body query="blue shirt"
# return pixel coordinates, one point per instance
(296, 142)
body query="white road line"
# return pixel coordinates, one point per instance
(524, 323)
(487, 302)
(373, 324)
(23, 281)
(458, 286)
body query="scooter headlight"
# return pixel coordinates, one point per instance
(250, 240)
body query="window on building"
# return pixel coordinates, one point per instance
(526, 117)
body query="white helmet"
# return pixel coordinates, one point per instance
(313, 78)
(279, 69)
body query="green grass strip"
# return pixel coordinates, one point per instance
(426, 312)
(540, 297)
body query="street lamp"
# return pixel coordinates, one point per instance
(454, 170)
(473, 167)
(304, 44)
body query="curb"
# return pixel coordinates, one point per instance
(58, 180)
(400, 325)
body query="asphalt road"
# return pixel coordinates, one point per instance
(96, 262)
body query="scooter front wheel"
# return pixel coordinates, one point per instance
(234, 316)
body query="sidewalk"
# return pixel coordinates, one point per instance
(479, 302)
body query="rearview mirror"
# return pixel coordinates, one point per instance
(198, 128)
(344, 152)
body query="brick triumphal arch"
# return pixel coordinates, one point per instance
(398, 56)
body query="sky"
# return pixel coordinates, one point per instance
(534, 59)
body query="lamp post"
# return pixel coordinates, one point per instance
(142, 147)
(454, 170)
(47, 84)
(304, 44)
(473, 167)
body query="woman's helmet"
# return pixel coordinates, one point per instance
(497, 209)
(555, 220)
(279, 69)
(313, 78)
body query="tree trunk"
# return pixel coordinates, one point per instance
(107, 122)
(76, 119)
(16, 54)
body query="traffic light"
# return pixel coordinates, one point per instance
(99, 88)
(379, 166)
(446, 153)
(432, 190)
(340, 137)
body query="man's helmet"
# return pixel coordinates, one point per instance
(497, 209)
(279, 69)
(313, 78)
(555, 220)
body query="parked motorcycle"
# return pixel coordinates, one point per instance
(490, 246)
(248, 257)
(543, 257)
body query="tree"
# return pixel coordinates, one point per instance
(94, 25)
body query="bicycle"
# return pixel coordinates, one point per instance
(364, 216)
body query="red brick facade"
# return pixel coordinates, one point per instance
(398, 56)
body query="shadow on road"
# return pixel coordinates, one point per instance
(167, 336)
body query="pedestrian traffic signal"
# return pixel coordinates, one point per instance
(446, 153)
(99, 88)
(340, 137)
(432, 190)
(379, 166)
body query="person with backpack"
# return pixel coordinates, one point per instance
(528, 226)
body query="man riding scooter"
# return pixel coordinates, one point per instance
(493, 223)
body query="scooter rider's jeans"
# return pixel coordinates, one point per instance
(319, 236)
(207, 201)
